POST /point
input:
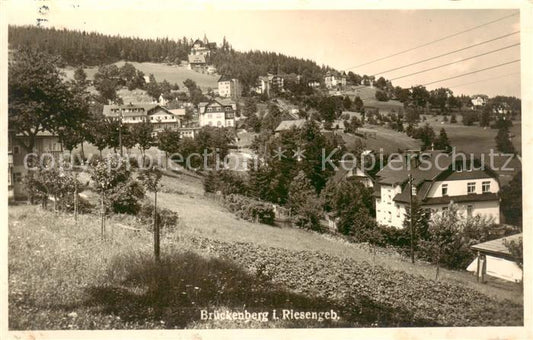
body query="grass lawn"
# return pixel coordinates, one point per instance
(172, 74)
(387, 139)
(63, 276)
(472, 138)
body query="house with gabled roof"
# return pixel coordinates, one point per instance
(334, 79)
(219, 112)
(437, 181)
(270, 82)
(197, 62)
(158, 115)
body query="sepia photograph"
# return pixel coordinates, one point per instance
(269, 168)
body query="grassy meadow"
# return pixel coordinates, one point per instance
(171, 73)
(63, 276)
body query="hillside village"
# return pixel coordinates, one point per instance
(277, 124)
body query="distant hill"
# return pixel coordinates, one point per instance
(92, 49)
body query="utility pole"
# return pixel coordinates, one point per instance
(75, 197)
(411, 224)
(120, 134)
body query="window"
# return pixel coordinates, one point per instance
(444, 188)
(471, 187)
(485, 186)
(397, 210)
(469, 209)
(17, 177)
(390, 216)
(16, 150)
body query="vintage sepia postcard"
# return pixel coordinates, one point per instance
(234, 170)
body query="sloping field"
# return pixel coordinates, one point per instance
(172, 74)
(214, 261)
(388, 140)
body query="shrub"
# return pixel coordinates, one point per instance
(225, 181)
(84, 206)
(453, 119)
(166, 218)
(469, 117)
(112, 179)
(250, 209)
(309, 214)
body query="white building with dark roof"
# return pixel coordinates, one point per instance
(161, 117)
(218, 112)
(229, 87)
(437, 181)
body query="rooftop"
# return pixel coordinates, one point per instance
(289, 124)
(497, 247)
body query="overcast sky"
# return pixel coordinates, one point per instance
(342, 39)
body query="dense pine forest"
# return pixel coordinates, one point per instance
(91, 49)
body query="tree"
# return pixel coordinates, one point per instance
(381, 96)
(443, 230)
(381, 83)
(403, 95)
(80, 79)
(420, 224)
(328, 109)
(511, 200)
(250, 107)
(420, 96)
(503, 141)
(442, 142)
(195, 93)
(485, 116)
(426, 135)
(272, 119)
(142, 133)
(358, 104)
(453, 118)
(353, 125)
(112, 180)
(152, 88)
(38, 99)
(470, 117)
(439, 98)
(348, 201)
(299, 191)
(168, 141)
(107, 81)
(253, 123)
(151, 179)
(516, 248)
(346, 103)
(131, 77)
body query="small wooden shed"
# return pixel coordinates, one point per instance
(494, 259)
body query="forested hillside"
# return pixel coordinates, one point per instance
(91, 49)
